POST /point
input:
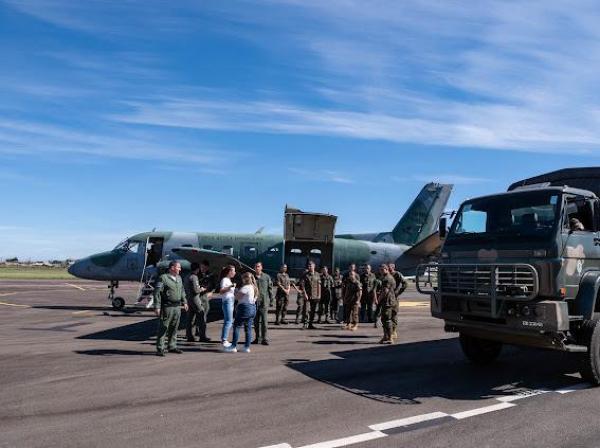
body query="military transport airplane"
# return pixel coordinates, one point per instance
(306, 236)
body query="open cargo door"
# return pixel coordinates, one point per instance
(307, 236)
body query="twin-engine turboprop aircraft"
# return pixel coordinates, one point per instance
(307, 236)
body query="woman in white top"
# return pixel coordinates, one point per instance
(245, 312)
(227, 290)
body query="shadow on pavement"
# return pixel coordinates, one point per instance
(408, 373)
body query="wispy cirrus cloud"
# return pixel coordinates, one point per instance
(321, 175)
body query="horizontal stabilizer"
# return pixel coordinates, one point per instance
(419, 253)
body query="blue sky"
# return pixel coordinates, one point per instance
(121, 116)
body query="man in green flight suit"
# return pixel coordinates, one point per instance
(169, 297)
(265, 299)
(310, 284)
(199, 286)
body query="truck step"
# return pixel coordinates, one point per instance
(573, 348)
(575, 318)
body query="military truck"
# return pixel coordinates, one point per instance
(523, 267)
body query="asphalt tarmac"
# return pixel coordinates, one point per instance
(76, 373)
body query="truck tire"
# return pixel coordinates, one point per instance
(589, 335)
(480, 351)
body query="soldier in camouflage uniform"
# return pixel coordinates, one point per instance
(282, 296)
(352, 295)
(388, 304)
(300, 300)
(198, 288)
(264, 300)
(375, 308)
(367, 281)
(400, 287)
(169, 297)
(337, 304)
(310, 284)
(326, 294)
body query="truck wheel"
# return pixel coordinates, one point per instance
(480, 351)
(590, 361)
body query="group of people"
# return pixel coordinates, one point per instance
(321, 298)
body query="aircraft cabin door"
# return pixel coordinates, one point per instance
(307, 236)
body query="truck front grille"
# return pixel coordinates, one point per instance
(501, 281)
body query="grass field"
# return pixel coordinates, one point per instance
(33, 273)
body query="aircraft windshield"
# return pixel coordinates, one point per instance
(531, 215)
(128, 246)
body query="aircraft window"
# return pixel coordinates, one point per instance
(207, 247)
(274, 249)
(133, 247)
(186, 245)
(250, 251)
(373, 252)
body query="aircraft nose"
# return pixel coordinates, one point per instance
(79, 268)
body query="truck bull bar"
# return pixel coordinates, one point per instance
(493, 281)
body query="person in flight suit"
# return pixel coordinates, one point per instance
(192, 292)
(265, 298)
(352, 295)
(367, 280)
(169, 298)
(326, 294)
(282, 296)
(400, 287)
(375, 308)
(388, 303)
(338, 303)
(310, 284)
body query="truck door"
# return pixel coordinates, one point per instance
(580, 233)
(307, 236)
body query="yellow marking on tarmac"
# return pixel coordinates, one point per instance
(15, 305)
(83, 313)
(75, 286)
(414, 304)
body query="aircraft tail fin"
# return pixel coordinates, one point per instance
(422, 217)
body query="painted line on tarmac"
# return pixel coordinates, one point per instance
(75, 286)
(393, 427)
(16, 305)
(6, 294)
(413, 304)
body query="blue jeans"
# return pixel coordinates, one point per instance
(227, 305)
(244, 315)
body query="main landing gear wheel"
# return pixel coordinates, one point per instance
(480, 351)
(590, 362)
(118, 303)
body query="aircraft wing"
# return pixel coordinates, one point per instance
(217, 260)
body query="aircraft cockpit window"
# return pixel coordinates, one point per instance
(133, 247)
(250, 252)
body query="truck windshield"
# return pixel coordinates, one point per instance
(527, 214)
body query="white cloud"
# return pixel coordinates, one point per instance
(321, 175)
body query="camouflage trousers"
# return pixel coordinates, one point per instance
(351, 312)
(324, 305)
(281, 306)
(387, 320)
(261, 321)
(196, 317)
(168, 323)
(309, 309)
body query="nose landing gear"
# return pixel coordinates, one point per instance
(118, 303)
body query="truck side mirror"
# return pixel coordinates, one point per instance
(443, 227)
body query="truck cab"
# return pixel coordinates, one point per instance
(522, 267)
